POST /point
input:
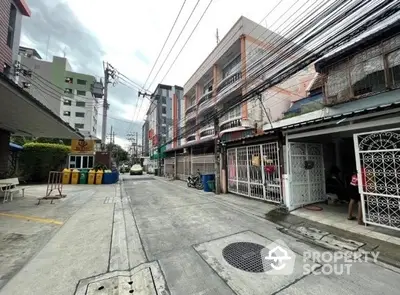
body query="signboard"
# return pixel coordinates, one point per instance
(81, 146)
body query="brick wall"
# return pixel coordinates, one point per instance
(5, 51)
(4, 151)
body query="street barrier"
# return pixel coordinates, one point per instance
(54, 183)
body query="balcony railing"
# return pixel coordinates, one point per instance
(206, 103)
(191, 115)
(228, 84)
(231, 124)
(207, 132)
(191, 137)
(190, 109)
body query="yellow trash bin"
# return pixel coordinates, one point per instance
(92, 176)
(75, 176)
(66, 178)
(99, 176)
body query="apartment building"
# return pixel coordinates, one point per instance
(11, 13)
(163, 113)
(71, 95)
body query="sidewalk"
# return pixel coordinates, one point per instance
(297, 224)
(59, 255)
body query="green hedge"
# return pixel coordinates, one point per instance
(38, 159)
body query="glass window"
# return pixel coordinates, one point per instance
(79, 126)
(163, 99)
(393, 59)
(164, 110)
(232, 67)
(67, 102)
(11, 26)
(69, 80)
(90, 164)
(68, 91)
(85, 162)
(368, 76)
(72, 158)
(67, 113)
(208, 87)
(80, 115)
(80, 104)
(78, 162)
(81, 92)
(81, 82)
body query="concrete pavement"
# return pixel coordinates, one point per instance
(151, 236)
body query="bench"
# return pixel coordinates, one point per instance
(9, 186)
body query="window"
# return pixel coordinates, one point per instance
(393, 59)
(11, 26)
(208, 87)
(232, 67)
(67, 102)
(80, 104)
(68, 91)
(164, 110)
(80, 115)
(163, 99)
(164, 120)
(81, 162)
(67, 113)
(79, 126)
(81, 82)
(69, 80)
(81, 92)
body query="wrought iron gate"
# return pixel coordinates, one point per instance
(306, 172)
(254, 171)
(378, 167)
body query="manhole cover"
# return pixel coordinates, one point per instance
(246, 256)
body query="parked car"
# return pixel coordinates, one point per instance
(136, 170)
(124, 168)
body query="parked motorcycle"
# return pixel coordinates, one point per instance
(195, 181)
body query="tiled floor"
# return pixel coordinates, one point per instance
(336, 216)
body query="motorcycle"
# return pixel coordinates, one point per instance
(195, 181)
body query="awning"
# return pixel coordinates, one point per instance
(196, 142)
(22, 114)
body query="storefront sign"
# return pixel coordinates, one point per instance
(82, 146)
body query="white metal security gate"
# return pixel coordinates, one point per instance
(183, 167)
(306, 174)
(254, 171)
(378, 167)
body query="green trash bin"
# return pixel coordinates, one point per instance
(211, 185)
(83, 176)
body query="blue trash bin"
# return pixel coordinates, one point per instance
(205, 179)
(107, 178)
(115, 176)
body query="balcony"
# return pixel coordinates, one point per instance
(191, 137)
(229, 124)
(205, 102)
(190, 113)
(207, 131)
(228, 84)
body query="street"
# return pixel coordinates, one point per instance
(154, 236)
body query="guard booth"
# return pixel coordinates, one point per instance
(82, 154)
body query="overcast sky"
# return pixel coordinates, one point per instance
(129, 35)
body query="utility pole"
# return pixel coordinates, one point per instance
(217, 157)
(136, 146)
(217, 36)
(109, 75)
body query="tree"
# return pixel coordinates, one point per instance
(117, 153)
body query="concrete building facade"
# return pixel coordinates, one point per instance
(11, 13)
(67, 93)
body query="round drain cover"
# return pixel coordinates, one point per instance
(246, 256)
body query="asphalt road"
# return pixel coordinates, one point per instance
(206, 247)
(152, 236)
